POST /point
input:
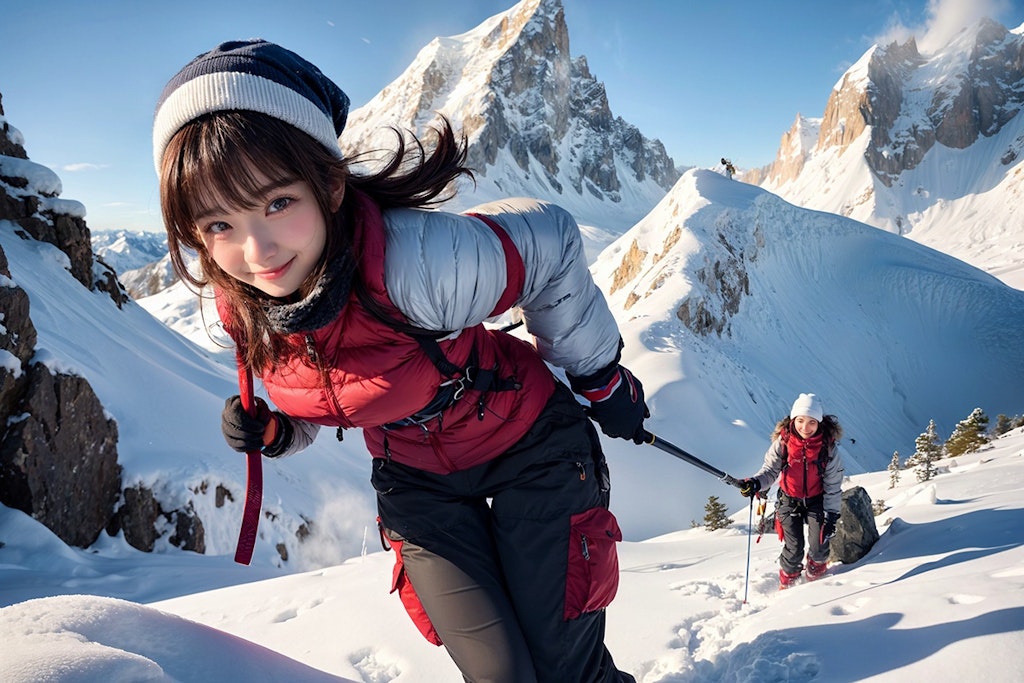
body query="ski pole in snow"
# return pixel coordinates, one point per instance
(750, 532)
(254, 477)
(672, 449)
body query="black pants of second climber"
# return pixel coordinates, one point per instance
(793, 514)
(492, 578)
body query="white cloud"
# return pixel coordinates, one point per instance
(945, 18)
(84, 166)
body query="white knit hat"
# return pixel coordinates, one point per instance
(252, 75)
(807, 405)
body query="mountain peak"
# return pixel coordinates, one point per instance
(913, 140)
(537, 121)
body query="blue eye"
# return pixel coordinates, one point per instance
(279, 204)
(217, 227)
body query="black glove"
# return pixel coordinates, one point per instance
(244, 433)
(828, 529)
(616, 402)
(749, 487)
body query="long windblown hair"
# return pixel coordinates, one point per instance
(829, 427)
(211, 162)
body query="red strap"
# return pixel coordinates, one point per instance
(515, 271)
(254, 477)
(601, 393)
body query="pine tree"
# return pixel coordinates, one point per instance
(894, 469)
(928, 450)
(1003, 424)
(715, 516)
(969, 434)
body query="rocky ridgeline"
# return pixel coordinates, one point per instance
(971, 89)
(58, 449)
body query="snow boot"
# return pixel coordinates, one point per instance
(786, 580)
(815, 570)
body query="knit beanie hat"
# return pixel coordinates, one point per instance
(807, 405)
(252, 75)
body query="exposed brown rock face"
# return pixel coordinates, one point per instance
(58, 460)
(910, 102)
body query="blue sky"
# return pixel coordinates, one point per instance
(708, 79)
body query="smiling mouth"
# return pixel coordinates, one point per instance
(275, 273)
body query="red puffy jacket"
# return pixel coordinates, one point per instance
(361, 372)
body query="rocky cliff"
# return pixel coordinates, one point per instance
(909, 102)
(925, 145)
(537, 120)
(58, 448)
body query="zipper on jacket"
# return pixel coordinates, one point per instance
(804, 453)
(584, 547)
(325, 377)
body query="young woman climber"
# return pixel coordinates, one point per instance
(804, 458)
(358, 307)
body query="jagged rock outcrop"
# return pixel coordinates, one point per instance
(142, 519)
(29, 197)
(537, 121)
(58, 450)
(720, 283)
(58, 458)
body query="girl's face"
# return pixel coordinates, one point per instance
(272, 244)
(805, 426)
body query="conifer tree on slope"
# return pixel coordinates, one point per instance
(1003, 424)
(928, 450)
(969, 434)
(715, 516)
(894, 470)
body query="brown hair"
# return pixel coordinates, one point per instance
(829, 428)
(210, 160)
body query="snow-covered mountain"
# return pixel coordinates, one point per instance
(759, 300)
(125, 250)
(140, 259)
(730, 299)
(538, 122)
(922, 145)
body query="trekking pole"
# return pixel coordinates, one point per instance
(254, 477)
(672, 449)
(750, 532)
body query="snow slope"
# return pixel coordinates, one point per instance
(890, 334)
(940, 598)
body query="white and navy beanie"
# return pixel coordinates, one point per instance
(807, 405)
(252, 75)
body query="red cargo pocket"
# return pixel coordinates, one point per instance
(593, 573)
(400, 582)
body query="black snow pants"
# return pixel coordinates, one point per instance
(793, 513)
(496, 553)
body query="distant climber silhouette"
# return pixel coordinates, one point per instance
(729, 168)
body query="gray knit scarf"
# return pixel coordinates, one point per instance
(321, 306)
